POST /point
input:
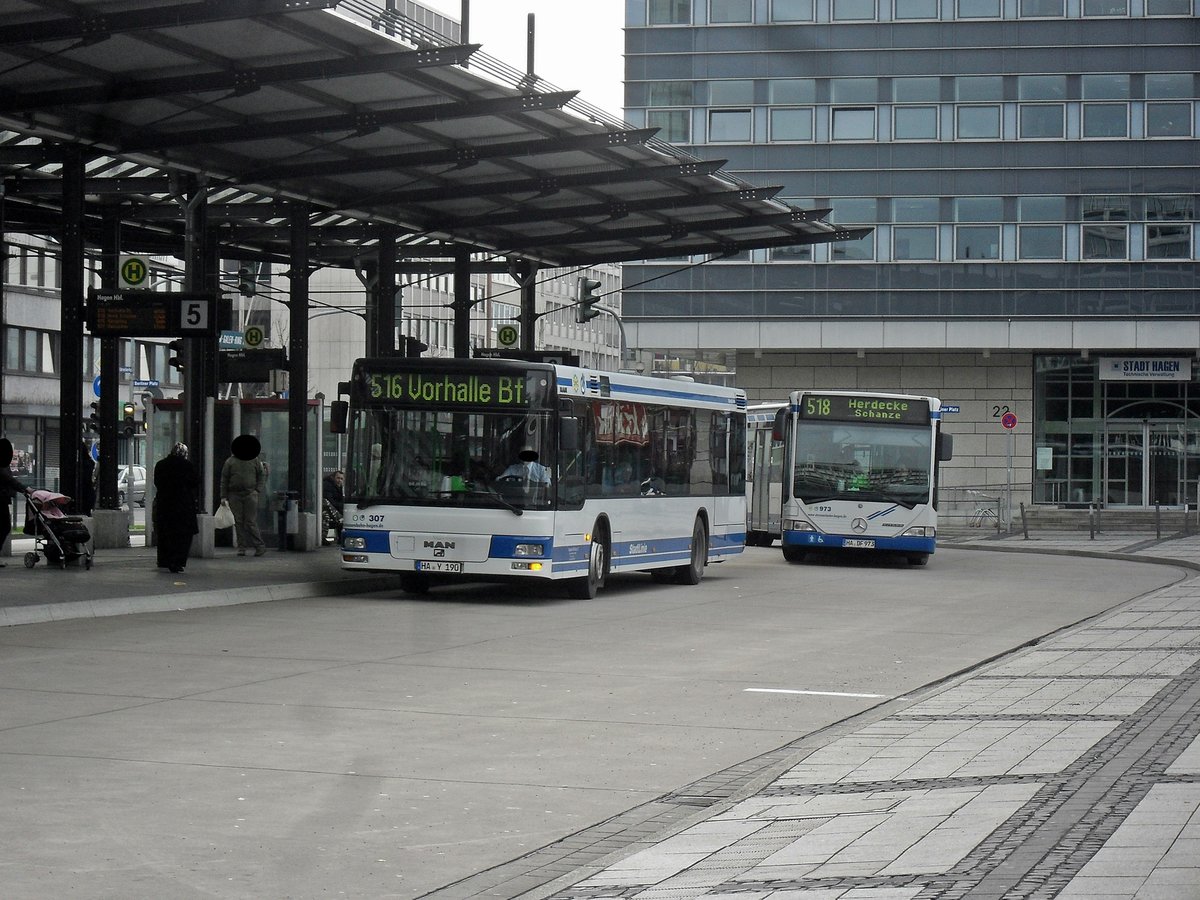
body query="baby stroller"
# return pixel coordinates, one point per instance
(57, 536)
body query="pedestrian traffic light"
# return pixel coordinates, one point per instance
(94, 418)
(586, 297)
(130, 424)
(175, 354)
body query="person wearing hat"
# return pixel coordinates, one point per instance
(176, 487)
(9, 488)
(243, 480)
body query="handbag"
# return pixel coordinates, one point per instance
(224, 516)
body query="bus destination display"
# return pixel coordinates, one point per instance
(447, 390)
(838, 408)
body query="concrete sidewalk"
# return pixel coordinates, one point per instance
(1070, 768)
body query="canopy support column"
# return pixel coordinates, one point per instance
(462, 303)
(298, 353)
(70, 399)
(110, 363)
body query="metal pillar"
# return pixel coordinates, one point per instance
(525, 273)
(71, 325)
(298, 353)
(110, 369)
(196, 278)
(462, 303)
(378, 277)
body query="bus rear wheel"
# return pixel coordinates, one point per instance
(694, 570)
(587, 587)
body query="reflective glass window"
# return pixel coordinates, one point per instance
(671, 93)
(915, 9)
(1106, 208)
(861, 250)
(978, 122)
(1106, 7)
(1168, 7)
(1041, 120)
(1041, 9)
(726, 125)
(853, 124)
(1168, 120)
(730, 93)
(792, 124)
(979, 209)
(791, 10)
(853, 10)
(1041, 209)
(979, 9)
(853, 90)
(1104, 87)
(855, 210)
(915, 209)
(1042, 87)
(1105, 120)
(1105, 241)
(1169, 86)
(1172, 207)
(1168, 241)
(914, 242)
(721, 11)
(970, 88)
(977, 242)
(797, 253)
(669, 12)
(785, 91)
(915, 123)
(675, 124)
(1040, 242)
(920, 90)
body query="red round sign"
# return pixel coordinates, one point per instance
(1009, 420)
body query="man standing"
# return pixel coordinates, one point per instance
(243, 480)
(9, 487)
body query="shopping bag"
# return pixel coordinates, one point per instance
(224, 516)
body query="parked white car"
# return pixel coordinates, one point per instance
(131, 484)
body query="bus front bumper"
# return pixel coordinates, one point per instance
(815, 540)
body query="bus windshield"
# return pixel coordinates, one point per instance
(852, 461)
(430, 457)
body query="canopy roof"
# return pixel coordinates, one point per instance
(366, 116)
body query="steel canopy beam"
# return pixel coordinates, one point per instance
(460, 155)
(549, 184)
(238, 81)
(136, 140)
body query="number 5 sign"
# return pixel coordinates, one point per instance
(193, 315)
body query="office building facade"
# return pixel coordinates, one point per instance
(1030, 172)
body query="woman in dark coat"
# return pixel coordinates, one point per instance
(9, 488)
(176, 486)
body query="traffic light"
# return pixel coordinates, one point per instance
(247, 279)
(175, 351)
(130, 424)
(586, 298)
(94, 419)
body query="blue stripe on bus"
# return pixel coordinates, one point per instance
(819, 541)
(376, 541)
(882, 512)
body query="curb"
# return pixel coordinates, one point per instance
(120, 606)
(1090, 554)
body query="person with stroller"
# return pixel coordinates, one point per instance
(9, 488)
(332, 507)
(176, 487)
(243, 480)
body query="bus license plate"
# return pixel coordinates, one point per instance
(859, 544)
(439, 565)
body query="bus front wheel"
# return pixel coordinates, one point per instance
(793, 554)
(694, 570)
(587, 587)
(918, 559)
(414, 583)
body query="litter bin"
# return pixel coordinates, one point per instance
(287, 507)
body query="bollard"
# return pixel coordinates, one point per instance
(1157, 521)
(1092, 520)
(1024, 522)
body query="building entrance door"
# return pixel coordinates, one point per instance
(1151, 463)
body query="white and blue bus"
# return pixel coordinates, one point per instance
(491, 469)
(859, 472)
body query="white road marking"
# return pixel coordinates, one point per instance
(819, 693)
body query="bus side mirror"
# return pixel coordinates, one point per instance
(339, 412)
(945, 447)
(777, 427)
(568, 435)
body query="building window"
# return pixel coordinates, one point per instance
(1040, 242)
(729, 125)
(853, 10)
(790, 91)
(914, 242)
(670, 12)
(1036, 208)
(675, 124)
(978, 9)
(1168, 7)
(916, 90)
(976, 123)
(1105, 120)
(853, 90)
(915, 209)
(1041, 87)
(853, 124)
(1104, 87)
(915, 123)
(1105, 242)
(978, 88)
(1041, 9)
(1169, 86)
(797, 253)
(1168, 120)
(978, 209)
(791, 10)
(1040, 121)
(861, 250)
(730, 93)
(1106, 7)
(792, 124)
(974, 242)
(914, 9)
(670, 93)
(1168, 241)
(726, 11)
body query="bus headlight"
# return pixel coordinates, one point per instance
(798, 525)
(529, 550)
(919, 531)
(354, 543)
